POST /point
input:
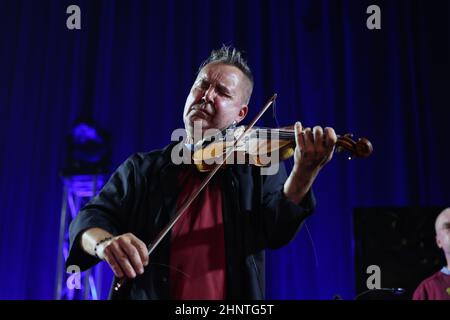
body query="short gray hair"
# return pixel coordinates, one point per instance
(233, 57)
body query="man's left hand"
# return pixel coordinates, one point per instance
(314, 148)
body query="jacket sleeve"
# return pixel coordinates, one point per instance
(282, 218)
(108, 210)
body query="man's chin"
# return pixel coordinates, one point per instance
(199, 122)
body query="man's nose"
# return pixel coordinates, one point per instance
(208, 96)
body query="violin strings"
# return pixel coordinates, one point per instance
(283, 134)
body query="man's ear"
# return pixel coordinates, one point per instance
(438, 242)
(242, 113)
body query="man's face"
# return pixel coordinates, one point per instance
(217, 98)
(443, 231)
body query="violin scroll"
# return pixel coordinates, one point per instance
(361, 148)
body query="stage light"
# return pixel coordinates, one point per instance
(88, 149)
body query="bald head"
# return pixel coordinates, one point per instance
(442, 219)
(442, 227)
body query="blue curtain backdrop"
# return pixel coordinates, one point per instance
(131, 66)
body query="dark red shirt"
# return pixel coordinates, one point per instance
(436, 287)
(197, 255)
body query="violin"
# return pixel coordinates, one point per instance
(252, 145)
(262, 147)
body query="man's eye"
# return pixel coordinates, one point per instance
(204, 85)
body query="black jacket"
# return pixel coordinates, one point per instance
(140, 198)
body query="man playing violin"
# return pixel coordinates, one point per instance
(216, 250)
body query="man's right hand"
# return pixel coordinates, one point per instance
(125, 254)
